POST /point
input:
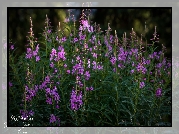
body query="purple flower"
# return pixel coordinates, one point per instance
(99, 67)
(142, 84)
(47, 90)
(49, 31)
(91, 29)
(51, 65)
(147, 62)
(61, 55)
(78, 58)
(85, 24)
(58, 82)
(141, 68)
(88, 63)
(82, 37)
(159, 92)
(29, 53)
(34, 53)
(65, 65)
(55, 70)
(49, 100)
(91, 88)
(94, 55)
(111, 38)
(25, 114)
(53, 53)
(85, 46)
(68, 71)
(57, 107)
(159, 65)
(80, 71)
(31, 112)
(87, 74)
(113, 60)
(64, 39)
(132, 71)
(52, 118)
(90, 49)
(37, 58)
(76, 100)
(87, 88)
(94, 65)
(93, 37)
(134, 51)
(47, 79)
(75, 40)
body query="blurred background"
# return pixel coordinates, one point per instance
(120, 19)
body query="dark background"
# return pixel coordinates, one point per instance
(120, 19)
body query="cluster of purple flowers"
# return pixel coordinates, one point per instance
(87, 75)
(113, 60)
(54, 119)
(62, 40)
(30, 92)
(84, 25)
(140, 68)
(44, 83)
(30, 53)
(57, 56)
(122, 54)
(97, 66)
(52, 94)
(89, 88)
(78, 69)
(76, 100)
(25, 114)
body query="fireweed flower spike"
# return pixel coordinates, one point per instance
(76, 100)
